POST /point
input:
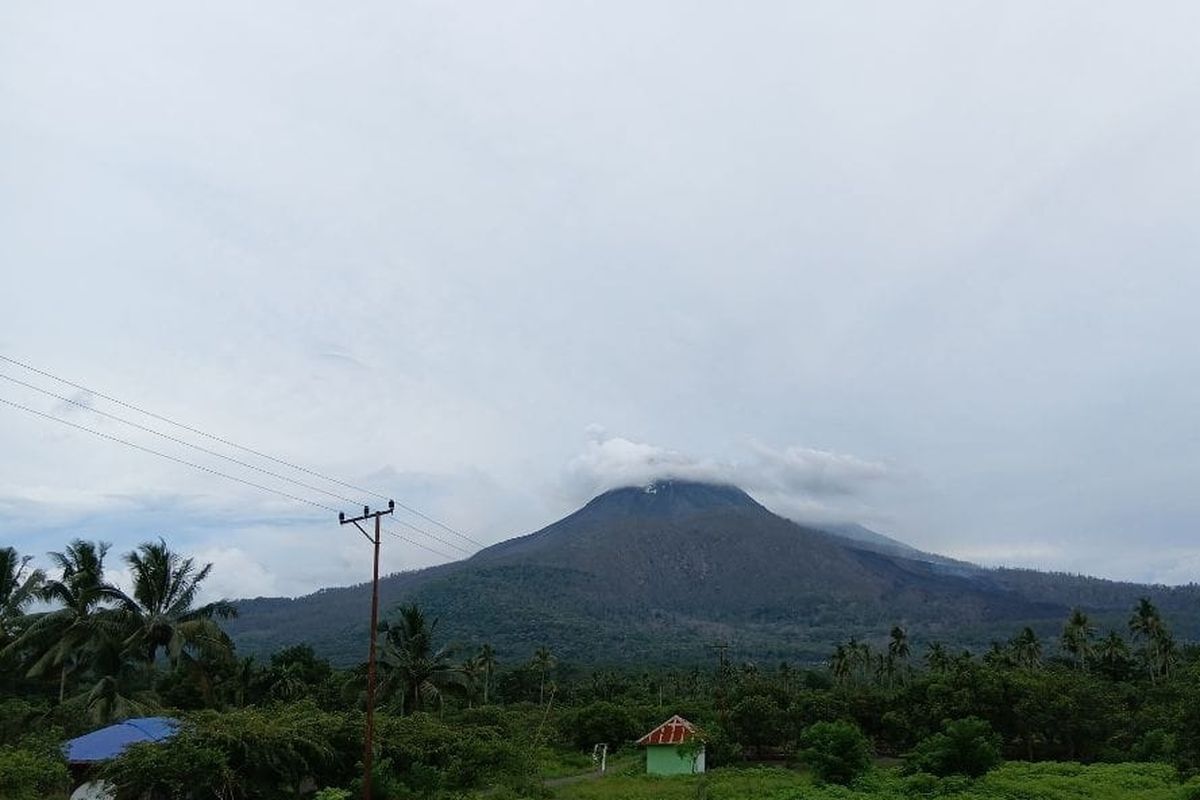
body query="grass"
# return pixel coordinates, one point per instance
(1016, 781)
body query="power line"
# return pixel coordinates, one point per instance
(418, 544)
(436, 538)
(441, 525)
(243, 448)
(177, 440)
(201, 467)
(207, 451)
(167, 456)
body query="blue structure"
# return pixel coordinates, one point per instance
(108, 742)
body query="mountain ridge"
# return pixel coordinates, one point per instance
(654, 573)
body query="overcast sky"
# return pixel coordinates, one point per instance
(931, 267)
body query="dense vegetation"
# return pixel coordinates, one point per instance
(1028, 717)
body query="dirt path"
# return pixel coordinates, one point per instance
(592, 775)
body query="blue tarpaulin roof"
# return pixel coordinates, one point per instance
(108, 742)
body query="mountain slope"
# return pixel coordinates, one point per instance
(656, 573)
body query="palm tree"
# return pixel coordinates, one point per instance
(840, 663)
(68, 635)
(885, 669)
(115, 693)
(937, 658)
(860, 655)
(898, 651)
(160, 613)
(1146, 623)
(1112, 653)
(999, 655)
(487, 660)
(1027, 649)
(241, 679)
(785, 675)
(19, 587)
(472, 674)
(543, 662)
(412, 667)
(1077, 636)
(898, 645)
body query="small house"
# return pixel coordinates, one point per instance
(674, 748)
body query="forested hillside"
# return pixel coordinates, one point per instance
(656, 574)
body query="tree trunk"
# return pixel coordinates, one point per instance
(62, 682)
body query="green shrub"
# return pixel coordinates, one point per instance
(177, 769)
(964, 747)
(17, 716)
(599, 722)
(273, 751)
(1155, 745)
(34, 769)
(836, 752)
(431, 755)
(757, 721)
(256, 754)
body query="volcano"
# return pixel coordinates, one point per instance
(655, 574)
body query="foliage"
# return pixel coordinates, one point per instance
(599, 722)
(161, 612)
(33, 769)
(963, 747)
(99, 645)
(178, 770)
(332, 794)
(416, 674)
(260, 729)
(757, 721)
(1012, 781)
(431, 755)
(836, 752)
(19, 586)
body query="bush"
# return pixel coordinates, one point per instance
(599, 722)
(17, 716)
(175, 770)
(254, 754)
(836, 752)
(430, 755)
(33, 770)
(1155, 745)
(758, 721)
(964, 747)
(276, 750)
(329, 793)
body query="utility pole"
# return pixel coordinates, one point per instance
(369, 736)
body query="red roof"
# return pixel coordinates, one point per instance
(676, 730)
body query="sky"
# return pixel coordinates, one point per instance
(928, 267)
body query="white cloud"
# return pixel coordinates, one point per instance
(431, 242)
(803, 483)
(235, 573)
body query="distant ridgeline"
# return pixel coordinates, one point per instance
(657, 574)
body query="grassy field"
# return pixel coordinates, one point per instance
(1017, 781)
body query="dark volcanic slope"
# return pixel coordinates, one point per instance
(655, 573)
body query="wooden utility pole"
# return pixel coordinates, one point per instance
(369, 735)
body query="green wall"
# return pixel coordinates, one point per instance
(665, 759)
